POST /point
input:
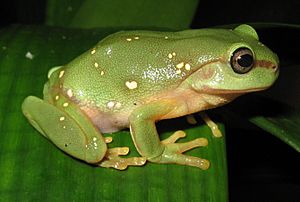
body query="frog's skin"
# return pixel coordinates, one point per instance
(136, 78)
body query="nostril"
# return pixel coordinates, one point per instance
(275, 68)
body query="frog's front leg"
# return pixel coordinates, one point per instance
(148, 144)
(73, 132)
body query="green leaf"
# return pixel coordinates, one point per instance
(286, 127)
(176, 14)
(33, 169)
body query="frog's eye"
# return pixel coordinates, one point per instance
(242, 60)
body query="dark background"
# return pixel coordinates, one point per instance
(209, 13)
(259, 165)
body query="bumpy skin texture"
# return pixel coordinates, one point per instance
(135, 78)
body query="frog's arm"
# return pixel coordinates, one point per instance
(74, 133)
(148, 144)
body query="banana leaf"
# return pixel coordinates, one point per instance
(32, 169)
(176, 14)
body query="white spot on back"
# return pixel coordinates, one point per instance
(109, 52)
(131, 84)
(62, 118)
(110, 104)
(114, 105)
(61, 73)
(93, 51)
(187, 66)
(180, 65)
(96, 64)
(128, 39)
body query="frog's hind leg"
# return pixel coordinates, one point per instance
(68, 129)
(212, 125)
(112, 159)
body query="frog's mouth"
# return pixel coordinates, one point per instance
(208, 90)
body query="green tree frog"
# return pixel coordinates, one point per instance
(132, 79)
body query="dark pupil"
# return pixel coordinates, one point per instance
(245, 60)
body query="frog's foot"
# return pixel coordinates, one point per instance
(173, 151)
(212, 125)
(173, 138)
(108, 140)
(112, 159)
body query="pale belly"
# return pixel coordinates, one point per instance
(188, 102)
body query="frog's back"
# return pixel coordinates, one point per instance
(128, 67)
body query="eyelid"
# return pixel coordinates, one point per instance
(237, 46)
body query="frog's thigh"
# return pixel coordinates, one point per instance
(148, 144)
(75, 134)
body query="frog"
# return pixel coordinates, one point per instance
(133, 79)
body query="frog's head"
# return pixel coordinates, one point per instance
(242, 64)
